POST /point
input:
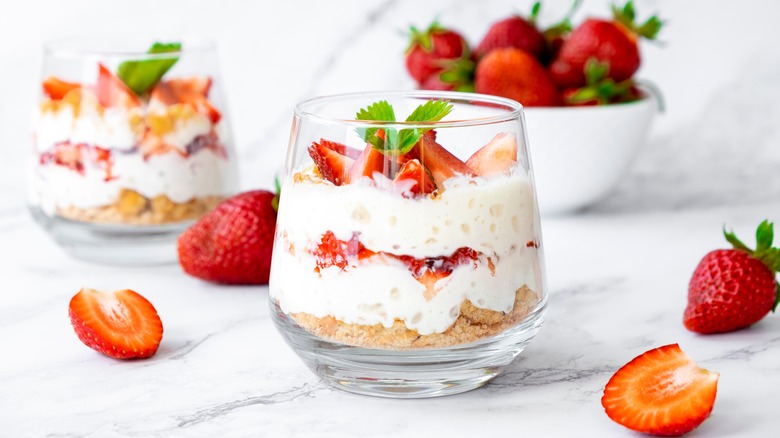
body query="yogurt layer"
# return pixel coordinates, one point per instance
(494, 216)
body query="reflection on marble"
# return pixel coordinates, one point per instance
(618, 271)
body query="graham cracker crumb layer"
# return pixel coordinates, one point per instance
(472, 325)
(132, 208)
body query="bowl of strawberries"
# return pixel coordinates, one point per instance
(586, 113)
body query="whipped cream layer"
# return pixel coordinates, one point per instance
(495, 216)
(179, 178)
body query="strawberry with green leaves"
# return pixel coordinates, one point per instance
(516, 74)
(612, 42)
(515, 31)
(734, 288)
(434, 50)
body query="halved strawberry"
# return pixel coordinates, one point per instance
(120, 324)
(332, 165)
(56, 88)
(368, 162)
(341, 148)
(661, 392)
(192, 90)
(441, 162)
(496, 157)
(112, 92)
(414, 179)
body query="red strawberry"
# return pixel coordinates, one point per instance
(192, 90)
(734, 288)
(112, 92)
(334, 252)
(332, 165)
(414, 178)
(517, 32)
(232, 243)
(56, 88)
(514, 74)
(661, 392)
(439, 161)
(429, 50)
(341, 148)
(496, 157)
(612, 42)
(368, 162)
(120, 324)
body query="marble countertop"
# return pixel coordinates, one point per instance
(618, 288)
(618, 271)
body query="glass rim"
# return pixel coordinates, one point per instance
(95, 45)
(513, 109)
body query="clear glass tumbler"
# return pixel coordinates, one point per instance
(408, 254)
(131, 144)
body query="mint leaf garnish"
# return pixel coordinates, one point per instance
(142, 75)
(395, 142)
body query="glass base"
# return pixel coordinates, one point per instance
(408, 373)
(126, 245)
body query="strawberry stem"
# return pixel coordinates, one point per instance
(764, 251)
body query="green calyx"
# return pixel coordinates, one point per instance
(562, 27)
(764, 251)
(600, 88)
(459, 73)
(423, 37)
(394, 141)
(534, 13)
(626, 16)
(141, 76)
(277, 194)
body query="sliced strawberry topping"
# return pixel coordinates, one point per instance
(341, 148)
(192, 90)
(120, 324)
(56, 88)
(112, 92)
(414, 179)
(368, 162)
(441, 162)
(661, 392)
(496, 157)
(332, 165)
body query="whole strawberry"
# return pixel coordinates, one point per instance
(734, 288)
(515, 74)
(515, 31)
(232, 244)
(431, 50)
(612, 42)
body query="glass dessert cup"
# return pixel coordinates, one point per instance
(408, 256)
(131, 144)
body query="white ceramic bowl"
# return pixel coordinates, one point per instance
(580, 153)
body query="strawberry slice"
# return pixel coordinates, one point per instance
(661, 392)
(441, 162)
(341, 148)
(56, 88)
(112, 92)
(120, 324)
(192, 90)
(414, 179)
(496, 157)
(332, 165)
(369, 161)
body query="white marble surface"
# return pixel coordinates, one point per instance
(618, 272)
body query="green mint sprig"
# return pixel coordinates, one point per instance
(397, 142)
(142, 75)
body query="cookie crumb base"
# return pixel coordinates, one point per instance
(472, 325)
(132, 208)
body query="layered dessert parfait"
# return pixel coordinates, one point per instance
(133, 146)
(403, 245)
